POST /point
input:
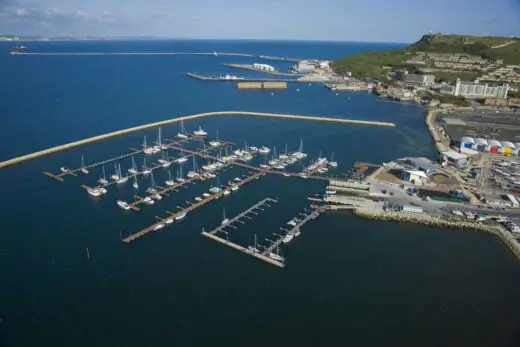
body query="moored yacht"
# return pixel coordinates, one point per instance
(64, 169)
(148, 200)
(123, 204)
(98, 191)
(264, 150)
(200, 132)
(181, 216)
(287, 238)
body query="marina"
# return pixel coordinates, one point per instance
(246, 215)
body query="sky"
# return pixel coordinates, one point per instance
(338, 20)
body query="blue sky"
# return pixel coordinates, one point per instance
(344, 20)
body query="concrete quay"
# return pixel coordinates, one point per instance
(92, 139)
(251, 68)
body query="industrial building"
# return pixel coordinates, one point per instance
(408, 78)
(423, 164)
(489, 146)
(455, 159)
(475, 90)
(264, 67)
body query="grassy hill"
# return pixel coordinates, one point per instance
(371, 64)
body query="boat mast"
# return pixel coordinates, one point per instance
(104, 174)
(144, 163)
(159, 137)
(286, 149)
(301, 145)
(180, 171)
(144, 142)
(194, 164)
(152, 181)
(119, 169)
(170, 175)
(82, 162)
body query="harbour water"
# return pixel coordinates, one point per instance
(347, 280)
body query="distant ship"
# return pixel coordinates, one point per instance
(229, 77)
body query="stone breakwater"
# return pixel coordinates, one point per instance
(424, 219)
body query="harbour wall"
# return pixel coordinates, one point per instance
(420, 218)
(70, 145)
(261, 85)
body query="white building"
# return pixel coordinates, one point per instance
(264, 67)
(415, 176)
(420, 80)
(476, 90)
(304, 66)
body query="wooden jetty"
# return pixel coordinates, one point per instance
(293, 231)
(182, 210)
(245, 214)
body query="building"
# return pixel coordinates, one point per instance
(264, 67)
(476, 90)
(422, 164)
(455, 159)
(414, 176)
(304, 66)
(419, 80)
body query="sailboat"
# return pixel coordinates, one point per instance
(180, 179)
(146, 149)
(121, 179)
(276, 256)
(200, 132)
(135, 184)
(224, 219)
(274, 160)
(133, 169)
(103, 178)
(194, 172)
(299, 154)
(284, 155)
(115, 176)
(169, 182)
(254, 248)
(83, 168)
(215, 143)
(159, 141)
(146, 170)
(182, 133)
(166, 162)
(181, 159)
(333, 163)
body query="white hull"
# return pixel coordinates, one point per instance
(181, 216)
(133, 171)
(225, 221)
(103, 181)
(135, 185)
(146, 172)
(167, 164)
(226, 192)
(234, 188)
(85, 171)
(168, 221)
(123, 205)
(169, 183)
(122, 180)
(287, 238)
(182, 136)
(148, 201)
(158, 227)
(275, 256)
(181, 160)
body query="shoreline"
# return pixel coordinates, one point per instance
(507, 239)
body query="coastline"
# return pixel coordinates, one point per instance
(427, 220)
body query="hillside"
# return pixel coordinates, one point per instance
(420, 56)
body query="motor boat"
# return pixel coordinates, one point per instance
(234, 187)
(123, 204)
(237, 179)
(198, 198)
(181, 216)
(181, 160)
(158, 227)
(64, 169)
(96, 191)
(264, 150)
(200, 132)
(287, 238)
(169, 221)
(157, 196)
(206, 195)
(148, 201)
(226, 192)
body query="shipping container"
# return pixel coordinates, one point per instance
(493, 149)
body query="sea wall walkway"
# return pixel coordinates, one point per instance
(70, 145)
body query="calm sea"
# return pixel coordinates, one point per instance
(347, 282)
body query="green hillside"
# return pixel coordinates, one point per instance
(371, 64)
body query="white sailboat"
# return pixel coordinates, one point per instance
(224, 219)
(123, 204)
(264, 150)
(254, 248)
(83, 167)
(274, 160)
(181, 159)
(169, 182)
(166, 162)
(115, 176)
(215, 143)
(133, 169)
(160, 144)
(194, 172)
(146, 149)
(121, 179)
(181, 216)
(146, 171)
(300, 154)
(288, 238)
(276, 256)
(135, 184)
(284, 155)
(103, 178)
(182, 133)
(179, 178)
(98, 191)
(333, 163)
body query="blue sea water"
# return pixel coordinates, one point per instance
(348, 281)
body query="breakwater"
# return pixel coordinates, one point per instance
(92, 139)
(424, 219)
(132, 53)
(252, 68)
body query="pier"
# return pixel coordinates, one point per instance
(216, 54)
(218, 79)
(253, 210)
(187, 209)
(293, 231)
(92, 139)
(252, 68)
(269, 57)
